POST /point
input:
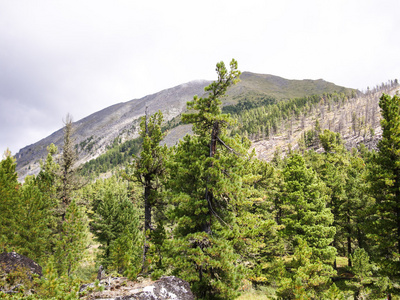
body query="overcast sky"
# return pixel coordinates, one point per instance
(77, 57)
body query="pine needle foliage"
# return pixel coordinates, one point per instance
(206, 188)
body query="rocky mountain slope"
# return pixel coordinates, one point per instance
(96, 132)
(357, 120)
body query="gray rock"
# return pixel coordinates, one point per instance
(168, 287)
(11, 261)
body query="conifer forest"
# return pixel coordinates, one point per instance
(321, 221)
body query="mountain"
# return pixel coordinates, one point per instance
(254, 85)
(95, 133)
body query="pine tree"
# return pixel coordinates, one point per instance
(257, 238)
(310, 277)
(68, 177)
(306, 215)
(72, 222)
(206, 184)
(34, 234)
(150, 172)
(331, 167)
(9, 194)
(385, 187)
(70, 248)
(116, 226)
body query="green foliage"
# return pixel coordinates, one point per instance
(116, 225)
(27, 220)
(207, 263)
(305, 211)
(257, 236)
(362, 269)
(150, 172)
(124, 254)
(385, 187)
(9, 191)
(266, 119)
(53, 286)
(330, 141)
(118, 155)
(72, 243)
(308, 277)
(68, 179)
(229, 216)
(206, 187)
(18, 279)
(34, 233)
(248, 104)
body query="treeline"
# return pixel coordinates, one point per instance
(307, 226)
(257, 118)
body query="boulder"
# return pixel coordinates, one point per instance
(168, 287)
(11, 261)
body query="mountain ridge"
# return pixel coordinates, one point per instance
(94, 133)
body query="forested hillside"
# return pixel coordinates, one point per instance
(320, 222)
(108, 128)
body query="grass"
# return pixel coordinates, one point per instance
(341, 262)
(264, 293)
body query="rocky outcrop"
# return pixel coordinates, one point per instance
(11, 261)
(168, 287)
(16, 273)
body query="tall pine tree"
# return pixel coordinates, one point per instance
(206, 184)
(150, 172)
(385, 187)
(9, 194)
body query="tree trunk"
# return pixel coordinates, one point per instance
(349, 241)
(397, 200)
(147, 223)
(206, 227)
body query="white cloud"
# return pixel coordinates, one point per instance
(81, 56)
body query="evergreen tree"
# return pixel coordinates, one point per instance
(332, 167)
(68, 177)
(356, 205)
(34, 234)
(116, 225)
(310, 277)
(28, 211)
(385, 187)
(257, 238)
(70, 248)
(72, 222)
(306, 215)
(206, 184)
(150, 171)
(47, 179)
(309, 233)
(9, 194)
